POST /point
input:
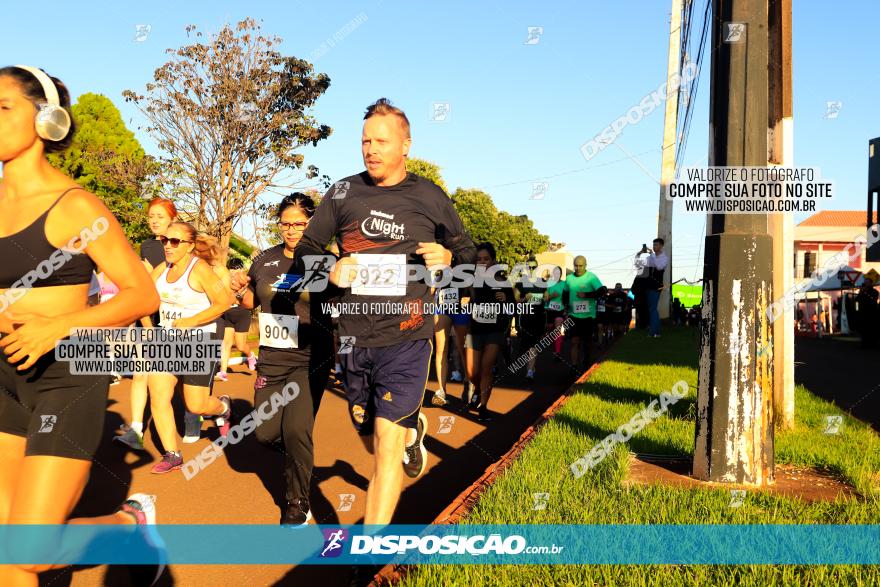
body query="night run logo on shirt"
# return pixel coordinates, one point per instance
(381, 224)
(286, 281)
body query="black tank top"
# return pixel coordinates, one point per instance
(27, 249)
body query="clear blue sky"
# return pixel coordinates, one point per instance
(519, 112)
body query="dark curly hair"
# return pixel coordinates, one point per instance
(489, 248)
(33, 90)
(302, 201)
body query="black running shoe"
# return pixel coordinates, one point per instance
(363, 575)
(415, 457)
(474, 402)
(484, 415)
(296, 513)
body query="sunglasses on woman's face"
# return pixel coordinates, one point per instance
(174, 242)
(298, 226)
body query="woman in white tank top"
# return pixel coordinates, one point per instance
(192, 296)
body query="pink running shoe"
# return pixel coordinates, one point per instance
(252, 362)
(170, 462)
(143, 508)
(224, 422)
(221, 376)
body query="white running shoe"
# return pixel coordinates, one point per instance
(143, 507)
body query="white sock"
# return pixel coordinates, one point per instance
(138, 427)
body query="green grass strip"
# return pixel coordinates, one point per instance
(638, 370)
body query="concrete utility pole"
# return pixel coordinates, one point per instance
(781, 139)
(734, 432)
(667, 171)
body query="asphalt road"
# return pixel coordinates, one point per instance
(246, 487)
(838, 369)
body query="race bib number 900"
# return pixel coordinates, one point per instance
(379, 275)
(279, 331)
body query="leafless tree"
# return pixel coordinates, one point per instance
(231, 117)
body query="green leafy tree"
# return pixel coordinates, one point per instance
(231, 116)
(514, 237)
(518, 237)
(427, 170)
(106, 159)
(477, 212)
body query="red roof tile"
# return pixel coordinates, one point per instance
(838, 218)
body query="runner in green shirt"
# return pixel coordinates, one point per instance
(583, 290)
(554, 309)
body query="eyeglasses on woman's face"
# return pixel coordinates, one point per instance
(297, 226)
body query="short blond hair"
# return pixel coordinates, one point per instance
(383, 107)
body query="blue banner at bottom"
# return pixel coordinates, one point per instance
(439, 544)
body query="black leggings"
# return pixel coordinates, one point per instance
(293, 423)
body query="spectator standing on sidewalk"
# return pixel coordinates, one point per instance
(655, 266)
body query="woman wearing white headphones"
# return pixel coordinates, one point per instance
(53, 234)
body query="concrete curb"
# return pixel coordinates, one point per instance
(391, 574)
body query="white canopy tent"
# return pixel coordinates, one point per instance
(845, 277)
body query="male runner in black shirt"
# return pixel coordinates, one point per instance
(618, 307)
(383, 219)
(531, 320)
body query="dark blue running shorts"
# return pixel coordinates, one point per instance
(461, 319)
(386, 382)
